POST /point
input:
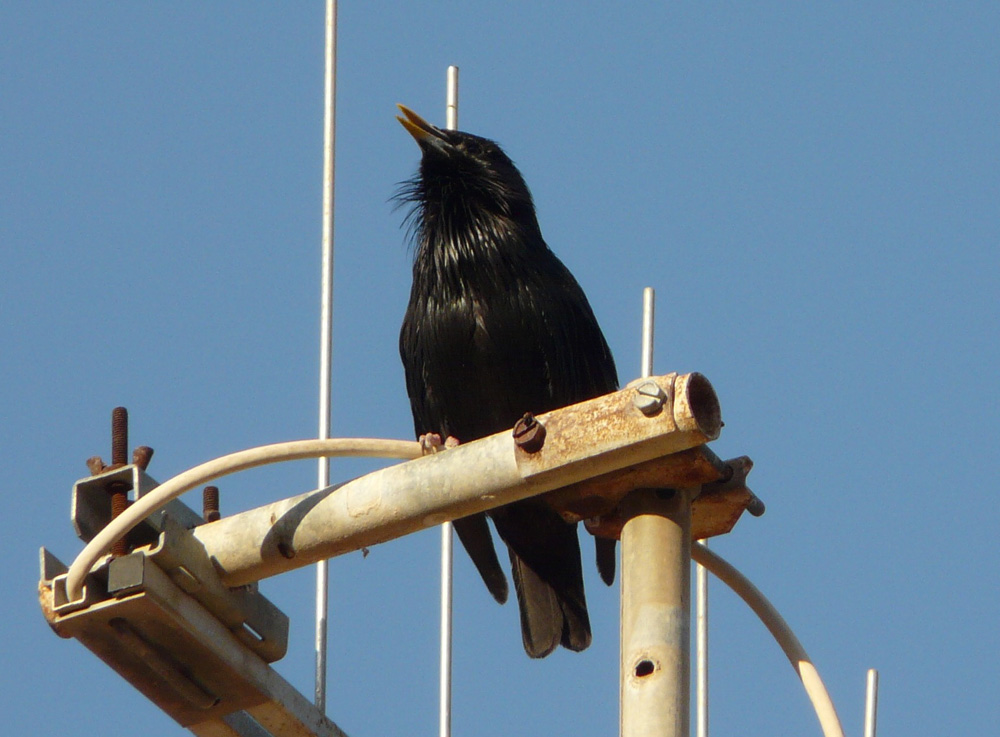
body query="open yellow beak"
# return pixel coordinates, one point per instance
(417, 127)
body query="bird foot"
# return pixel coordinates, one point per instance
(431, 442)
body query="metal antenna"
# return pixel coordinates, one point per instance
(444, 727)
(326, 328)
(648, 318)
(701, 648)
(871, 703)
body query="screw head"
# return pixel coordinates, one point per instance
(529, 434)
(649, 398)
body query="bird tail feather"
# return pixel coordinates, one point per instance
(548, 576)
(541, 615)
(474, 532)
(604, 549)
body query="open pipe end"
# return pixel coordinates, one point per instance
(696, 406)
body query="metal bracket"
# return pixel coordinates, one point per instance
(251, 617)
(154, 628)
(91, 505)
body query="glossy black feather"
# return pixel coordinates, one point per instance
(497, 326)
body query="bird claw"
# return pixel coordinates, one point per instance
(431, 443)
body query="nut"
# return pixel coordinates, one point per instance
(529, 434)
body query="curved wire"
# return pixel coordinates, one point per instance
(818, 695)
(294, 450)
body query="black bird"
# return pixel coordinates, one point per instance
(497, 327)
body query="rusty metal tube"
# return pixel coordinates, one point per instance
(584, 440)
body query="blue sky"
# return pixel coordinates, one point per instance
(811, 188)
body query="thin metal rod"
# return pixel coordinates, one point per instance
(451, 105)
(701, 650)
(444, 685)
(326, 330)
(447, 537)
(648, 318)
(871, 703)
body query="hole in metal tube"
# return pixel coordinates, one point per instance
(644, 668)
(698, 402)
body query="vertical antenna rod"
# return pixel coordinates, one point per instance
(871, 703)
(701, 649)
(326, 327)
(648, 319)
(444, 726)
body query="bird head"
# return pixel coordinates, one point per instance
(465, 168)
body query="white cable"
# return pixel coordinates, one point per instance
(818, 695)
(294, 450)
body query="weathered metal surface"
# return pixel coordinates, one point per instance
(715, 511)
(583, 440)
(600, 495)
(91, 505)
(181, 619)
(177, 653)
(250, 616)
(689, 416)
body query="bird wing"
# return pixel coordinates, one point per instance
(525, 341)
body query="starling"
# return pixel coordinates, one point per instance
(497, 327)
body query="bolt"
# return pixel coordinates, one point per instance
(529, 434)
(118, 490)
(141, 456)
(210, 503)
(119, 498)
(119, 436)
(649, 398)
